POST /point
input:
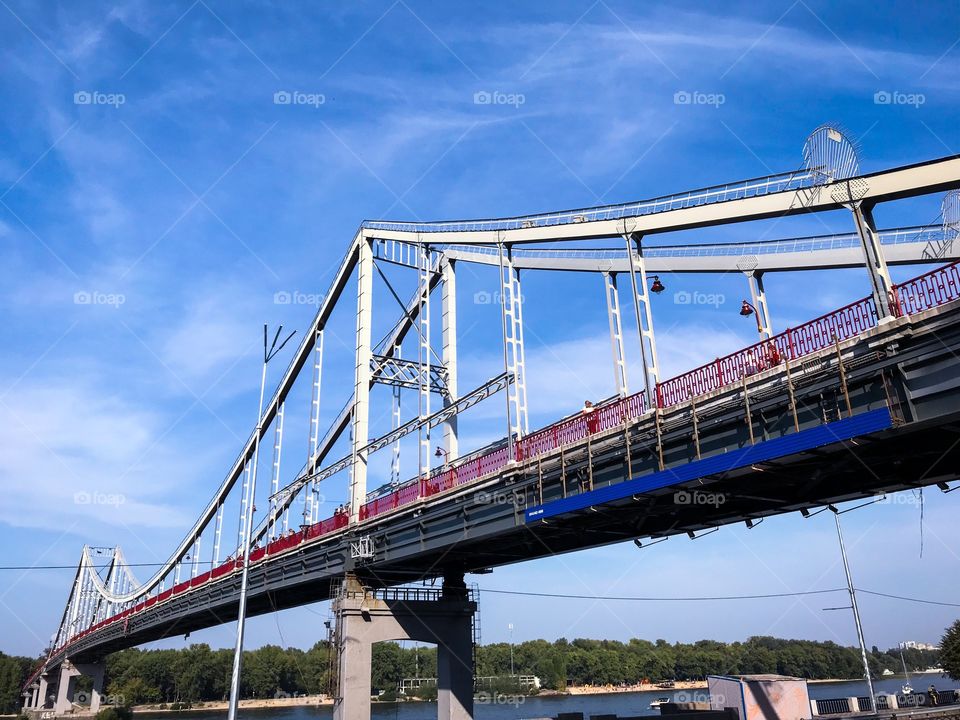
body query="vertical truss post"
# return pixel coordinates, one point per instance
(196, 556)
(394, 424)
(511, 313)
(424, 377)
(244, 499)
(758, 297)
(361, 383)
(275, 469)
(880, 282)
(641, 302)
(218, 527)
(616, 333)
(310, 505)
(448, 311)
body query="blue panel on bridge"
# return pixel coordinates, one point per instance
(861, 424)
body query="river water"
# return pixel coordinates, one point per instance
(509, 708)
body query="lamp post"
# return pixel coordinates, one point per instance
(268, 355)
(856, 611)
(510, 628)
(747, 309)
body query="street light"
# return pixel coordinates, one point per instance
(442, 453)
(656, 286)
(510, 628)
(746, 309)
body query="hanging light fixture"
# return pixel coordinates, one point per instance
(746, 309)
(656, 286)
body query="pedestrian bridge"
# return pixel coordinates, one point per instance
(862, 400)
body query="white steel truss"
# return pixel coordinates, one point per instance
(758, 296)
(641, 303)
(424, 355)
(616, 333)
(511, 310)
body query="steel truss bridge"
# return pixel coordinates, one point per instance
(846, 405)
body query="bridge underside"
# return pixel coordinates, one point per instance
(900, 430)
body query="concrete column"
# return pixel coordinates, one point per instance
(67, 691)
(446, 620)
(43, 691)
(66, 688)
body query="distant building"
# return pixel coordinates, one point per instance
(914, 645)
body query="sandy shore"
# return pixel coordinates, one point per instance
(640, 687)
(255, 704)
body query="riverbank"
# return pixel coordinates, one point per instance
(250, 704)
(324, 700)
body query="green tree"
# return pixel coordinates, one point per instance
(950, 651)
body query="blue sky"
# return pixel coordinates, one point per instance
(155, 199)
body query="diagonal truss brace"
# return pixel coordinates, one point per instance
(489, 388)
(407, 373)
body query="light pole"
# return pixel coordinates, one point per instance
(856, 611)
(747, 309)
(510, 628)
(268, 355)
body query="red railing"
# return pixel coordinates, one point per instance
(929, 290)
(934, 288)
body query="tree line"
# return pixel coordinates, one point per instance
(198, 673)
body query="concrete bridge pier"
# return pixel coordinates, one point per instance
(44, 699)
(67, 691)
(445, 618)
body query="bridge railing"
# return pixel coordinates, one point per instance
(753, 187)
(931, 289)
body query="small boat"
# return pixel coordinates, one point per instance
(658, 702)
(906, 688)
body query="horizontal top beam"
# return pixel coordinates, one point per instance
(900, 245)
(772, 196)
